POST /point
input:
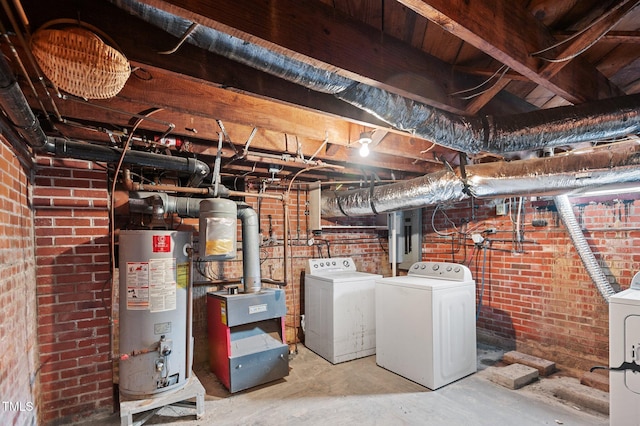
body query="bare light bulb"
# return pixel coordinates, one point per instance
(364, 150)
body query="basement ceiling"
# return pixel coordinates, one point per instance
(470, 58)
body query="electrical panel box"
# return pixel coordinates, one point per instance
(314, 207)
(408, 235)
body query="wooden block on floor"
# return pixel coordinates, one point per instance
(513, 376)
(596, 380)
(544, 367)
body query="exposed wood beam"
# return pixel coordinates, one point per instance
(478, 102)
(509, 33)
(567, 51)
(630, 37)
(141, 42)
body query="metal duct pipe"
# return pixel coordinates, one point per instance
(143, 202)
(523, 132)
(565, 211)
(544, 176)
(250, 248)
(15, 106)
(549, 128)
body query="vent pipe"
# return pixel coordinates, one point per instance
(568, 217)
(143, 202)
(523, 132)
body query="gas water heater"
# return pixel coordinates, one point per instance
(155, 342)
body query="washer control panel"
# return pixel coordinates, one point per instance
(441, 270)
(331, 264)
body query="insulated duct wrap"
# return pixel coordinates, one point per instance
(616, 163)
(239, 50)
(549, 128)
(565, 211)
(430, 189)
(604, 119)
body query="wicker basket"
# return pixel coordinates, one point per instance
(80, 63)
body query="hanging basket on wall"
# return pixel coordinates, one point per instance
(79, 62)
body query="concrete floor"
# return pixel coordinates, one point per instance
(359, 392)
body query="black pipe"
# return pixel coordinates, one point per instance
(87, 151)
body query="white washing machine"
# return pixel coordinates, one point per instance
(426, 325)
(339, 309)
(624, 356)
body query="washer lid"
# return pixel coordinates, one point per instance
(628, 297)
(339, 276)
(429, 284)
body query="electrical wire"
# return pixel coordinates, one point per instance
(125, 147)
(573, 36)
(433, 226)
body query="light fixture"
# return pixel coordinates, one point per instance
(365, 140)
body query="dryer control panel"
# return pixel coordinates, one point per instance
(331, 264)
(441, 270)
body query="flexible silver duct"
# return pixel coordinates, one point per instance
(145, 202)
(523, 132)
(565, 211)
(618, 163)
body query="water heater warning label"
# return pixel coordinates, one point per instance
(137, 285)
(152, 285)
(161, 243)
(162, 285)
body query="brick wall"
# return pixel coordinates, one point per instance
(19, 356)
(73, 286)
(538, 297)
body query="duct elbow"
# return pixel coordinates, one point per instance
(199, 170)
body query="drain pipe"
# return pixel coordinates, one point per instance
(61, 147)
(565, 211)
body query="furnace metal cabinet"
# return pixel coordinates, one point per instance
(246, 334)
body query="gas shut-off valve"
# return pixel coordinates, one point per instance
(164, 348)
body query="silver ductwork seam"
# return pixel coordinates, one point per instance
(568, 217)
(143, 202)
(535, 130)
